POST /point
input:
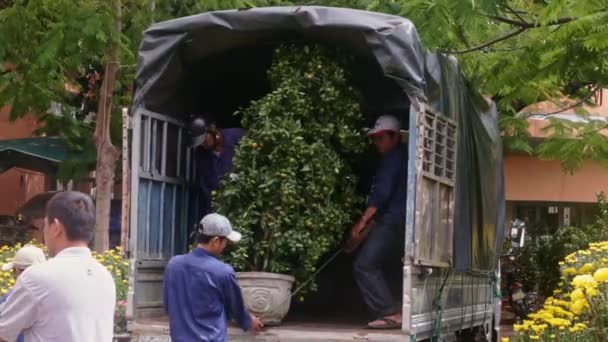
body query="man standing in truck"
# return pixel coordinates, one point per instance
(380, 230)
(214, 152)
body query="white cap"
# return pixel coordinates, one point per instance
(218, 225)
(26, 256)
(385, 123)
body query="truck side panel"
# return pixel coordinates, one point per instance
(159, 175)
(437, 301)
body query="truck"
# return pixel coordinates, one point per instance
(216, 62)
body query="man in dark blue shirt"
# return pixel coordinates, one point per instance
(382, 225)
(214, 153)
(201, 293)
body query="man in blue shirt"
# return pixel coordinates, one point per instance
(382, 225)
(201, 293)
(214, 152)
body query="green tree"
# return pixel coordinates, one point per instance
(69, 52)
(522, 52)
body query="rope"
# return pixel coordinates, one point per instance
(312, 277)
(439, 308)
(327, 262)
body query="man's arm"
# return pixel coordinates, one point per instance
(18, 312)
(233, 300)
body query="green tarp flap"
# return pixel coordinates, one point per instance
(41, 154)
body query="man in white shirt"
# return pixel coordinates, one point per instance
(71, 297)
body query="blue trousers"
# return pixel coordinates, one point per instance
(384, 245)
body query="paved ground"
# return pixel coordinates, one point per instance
(156, 330)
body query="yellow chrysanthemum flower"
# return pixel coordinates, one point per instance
(569, 271)
(586, 268)
(601, 274)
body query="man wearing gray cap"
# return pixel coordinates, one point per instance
(201, 293)
(214, 151)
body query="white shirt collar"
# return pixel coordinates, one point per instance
(74, 251)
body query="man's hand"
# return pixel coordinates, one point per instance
(256, 324)
(355, 237)
(356, 230)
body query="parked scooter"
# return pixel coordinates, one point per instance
(520, 301)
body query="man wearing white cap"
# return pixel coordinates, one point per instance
(25, 257)
(380, 230)
(201, 293)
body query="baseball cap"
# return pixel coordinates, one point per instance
(385, 123)
(198, 129)
(26, 256)
(218, 225)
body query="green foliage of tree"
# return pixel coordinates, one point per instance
(294, 189)
(54, 52)
(523, 52)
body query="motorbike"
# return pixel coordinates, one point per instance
(520, 301)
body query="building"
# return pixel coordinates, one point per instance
(539, 191)
(19, 185)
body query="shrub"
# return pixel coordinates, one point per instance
(293, 191)
(541, 255)
(578, 309)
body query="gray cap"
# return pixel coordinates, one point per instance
(218, 225)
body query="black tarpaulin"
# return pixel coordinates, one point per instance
(168, 47)
(479, 204)
(171, 49)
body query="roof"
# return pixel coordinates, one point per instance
(39, 154)
(569, 117)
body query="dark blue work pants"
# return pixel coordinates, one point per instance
(384, 246)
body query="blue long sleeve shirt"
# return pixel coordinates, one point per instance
(201, 294)
(212, 167)
(389, 189)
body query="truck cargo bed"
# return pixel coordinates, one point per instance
(157, 330)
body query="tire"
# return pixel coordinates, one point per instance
(520, 309)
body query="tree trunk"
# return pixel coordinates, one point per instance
(107, 154)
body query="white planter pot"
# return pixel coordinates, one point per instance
(266, 295)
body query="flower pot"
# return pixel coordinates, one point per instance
(266, 295)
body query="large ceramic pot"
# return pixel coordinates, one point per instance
(266, 295)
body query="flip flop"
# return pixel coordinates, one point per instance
(388, 324)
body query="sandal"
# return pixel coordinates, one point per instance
(388, 324)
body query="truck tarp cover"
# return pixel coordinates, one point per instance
(168, 48)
